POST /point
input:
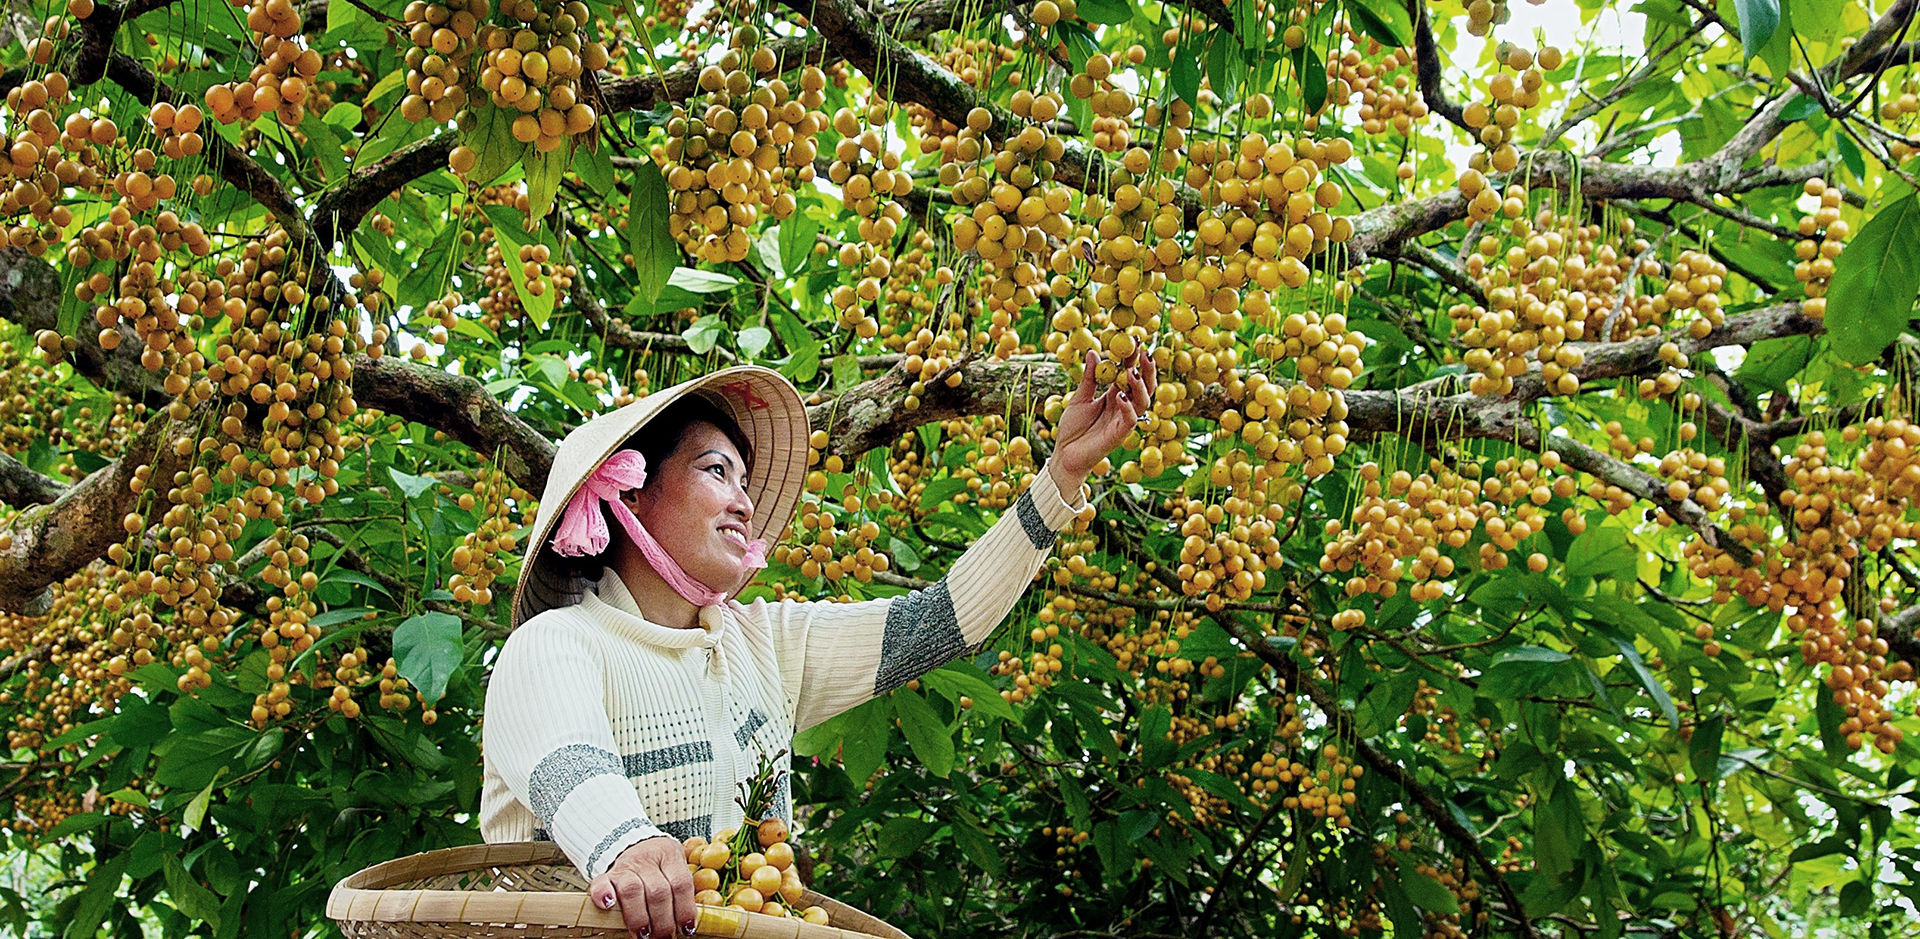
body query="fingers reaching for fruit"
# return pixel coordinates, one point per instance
(1093, 423)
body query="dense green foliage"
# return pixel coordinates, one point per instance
(1521, 545)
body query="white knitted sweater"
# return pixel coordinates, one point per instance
(602, 729)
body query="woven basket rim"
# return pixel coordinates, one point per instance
(368, 896)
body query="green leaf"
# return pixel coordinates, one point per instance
(1856, 898)
(346, 16)
(940, 490)
(544, 171)
(821, 739)
(188, 895)
(196, 811)
(1313, 81)
(345, 114)
(491, 139)
(594, 165)
(655, 254)
(1771, 363)
(1602, 552)
(1875, 282)
(426, 276)
(323, 144)
(412, 486)
(703, 335)
(977, 844)
(103, 886)
(1799, 109)
(1758, 20)
(1529, 655)
(864, 746)
(131, 797)
(1427, 893)
(1777, 52)
(1226, 69)
(510, 227)
(796, 237)
(1185, 77)
(846, 371)
(1704, 752)
(754, 340)
(904, 555)
(427, 650)
(1106, 12)
(902, 835)
(1655, 690)
(956, 679)
(931, 742)
(1385, 21)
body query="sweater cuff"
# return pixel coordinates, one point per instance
(623, 836)
(1055, 510)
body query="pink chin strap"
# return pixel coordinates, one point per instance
(583, 529)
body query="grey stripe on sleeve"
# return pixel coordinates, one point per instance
(755, 720)
(1036, 527)
(561, 772)
(701, 825)
(922, 633)
(666, 758)
(593, 860)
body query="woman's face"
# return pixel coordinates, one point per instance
(696, 506)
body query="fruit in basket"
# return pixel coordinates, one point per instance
(764, 882)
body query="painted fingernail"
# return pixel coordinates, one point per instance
(687, 927)
(606, 901)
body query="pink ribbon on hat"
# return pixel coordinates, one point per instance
(583, 529)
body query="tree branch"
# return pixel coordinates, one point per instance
(1426, 55)
(52, 541)
(21, 487)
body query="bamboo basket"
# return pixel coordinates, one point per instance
(529, 889)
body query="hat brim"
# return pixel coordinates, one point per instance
(762, 401)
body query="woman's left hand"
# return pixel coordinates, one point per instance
(1092, 425)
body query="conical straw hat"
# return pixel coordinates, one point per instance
(765, 405)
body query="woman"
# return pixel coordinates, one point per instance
(635, 693)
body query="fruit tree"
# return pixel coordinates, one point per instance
(1523, 541)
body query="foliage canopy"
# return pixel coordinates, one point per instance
(1523, 542)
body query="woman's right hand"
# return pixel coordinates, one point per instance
(651, 883)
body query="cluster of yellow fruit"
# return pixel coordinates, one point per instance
(762, 878)
(479, 558)
(442, 37)
(1325, 792)
(743, 152)
(1814, 259)
(41, 157)
(1832, 514)
(534, 64)
(1497, 118)
(1421, 517)
(1111, 105)
(283, 78)
(1900, 109)
(1384, 81)
(1484, 15)
(1531, 312)
(348, 673)
(818, 546)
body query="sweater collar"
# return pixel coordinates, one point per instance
(613, 605)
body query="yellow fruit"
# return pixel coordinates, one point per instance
(766, 880)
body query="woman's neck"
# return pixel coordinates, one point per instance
(659, 603)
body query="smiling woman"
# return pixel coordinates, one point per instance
(635, 695)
